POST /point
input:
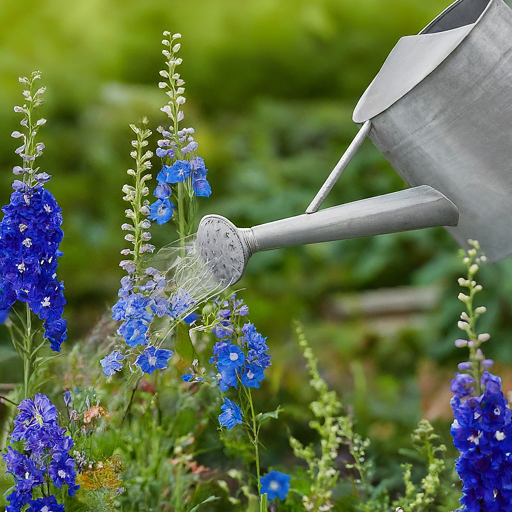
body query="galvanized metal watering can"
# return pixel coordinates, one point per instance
(440, 110)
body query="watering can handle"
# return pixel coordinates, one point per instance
(340, 167)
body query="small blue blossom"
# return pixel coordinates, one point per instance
(46, 504)
(179, 171)
(152, 359)
(4, 315)
(228, 377)
(199, 183)
(231, 356)
(161, 211)
(162, 191)
(67, 397)
(134, 332)
(112, 363)
(188, 377)
(62, 471)
(231, 414)
(252, 376)
(275, 485)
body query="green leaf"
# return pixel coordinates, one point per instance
(261, 417)
(207, 500)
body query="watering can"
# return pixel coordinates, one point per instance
(440, 111)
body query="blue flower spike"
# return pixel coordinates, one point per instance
(275, 485)
(46, 452)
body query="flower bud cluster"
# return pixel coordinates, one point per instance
(29, 149)
(178, 150)
(467, 323)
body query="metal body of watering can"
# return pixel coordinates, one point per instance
(440, 110)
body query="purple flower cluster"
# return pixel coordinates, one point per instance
(482, 432)
(242, 352)
(30, 234)
(46, 455)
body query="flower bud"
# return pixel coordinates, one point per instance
(473, 269)
(484, 337)
(462, 325)
(462, 297)
(461, 343)
(479, 356)
(464, 366)
(481, 309)
(487, 363)
(464, 316)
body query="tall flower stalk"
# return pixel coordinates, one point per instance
(482, 427)
(30, 235)
(183, 174)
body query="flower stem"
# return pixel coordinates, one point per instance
(181, 213)
(27, 356)
(255, 440)
(131, 399)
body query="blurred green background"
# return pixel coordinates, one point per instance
(270, 87)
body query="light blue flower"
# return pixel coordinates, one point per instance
(161, 211)
(232, 414)
(111, 364)
(178, 171)
(152, 359)
(275, 485)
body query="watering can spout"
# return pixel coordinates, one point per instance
(440, 111)
(227, 249)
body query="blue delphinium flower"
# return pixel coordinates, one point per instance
(46, 452)
(152, 359)
(112, 363)
(30, 231)
(482, 432)
(178, 171)
(199, 183)
(231, 414)
(161, 211)
(252, 376)
(62, 471)
(275, 485)
(46, 504)
(246, 360)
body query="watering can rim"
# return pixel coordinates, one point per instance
(364, 112)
